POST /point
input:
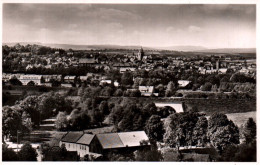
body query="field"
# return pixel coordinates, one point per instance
(241, 118)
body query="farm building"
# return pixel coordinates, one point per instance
(93, 144)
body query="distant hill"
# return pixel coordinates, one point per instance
(171, 48)
(229, 50)
(183, 48)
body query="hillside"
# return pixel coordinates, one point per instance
(194, 49)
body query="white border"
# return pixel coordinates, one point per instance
(146, 2)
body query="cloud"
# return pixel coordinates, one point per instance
(73, 26)
(115, 14)
(114, 26)
(137, 33)
(194, 29)
(169, 29)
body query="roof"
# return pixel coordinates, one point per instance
(56, 138)
(110, 140)
(183, 83)
(85, 139)
(87, 60)
(146, 88)
(132, 139)
(178, 106)
(72, 137)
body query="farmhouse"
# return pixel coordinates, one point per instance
(93, 144)
(70, 140)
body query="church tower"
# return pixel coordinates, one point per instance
(140, 54)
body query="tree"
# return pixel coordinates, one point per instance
(154, 128)
(222, 132)
(31, 83)
(148, 154)
(79, 121)
(103, 107)
(131, 119)
(179, 129)
(148, 110)
(11, 121)
(61, 122)
(8, 153)
(15, 81)
(249, 131)
(200, 132)
(127, 78)
(206, 87)
(26, 121)
(107, 91)
(27, 153)
(170, 90)
(118, 92)
(31, 105)
(53, 153)
(166, 111)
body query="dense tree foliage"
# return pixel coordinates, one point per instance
(8, 154)
(222, 132)
(12, 122)
(154, 128)
(179, 129)
(27, 153)
(61, 122)
(200, 132)
(249, 131)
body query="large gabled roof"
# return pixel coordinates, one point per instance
(110, 140)
(72, 137)
(133, 139)
(85, 139)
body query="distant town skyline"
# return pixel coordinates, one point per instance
(211, 26)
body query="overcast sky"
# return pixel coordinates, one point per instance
(212, 26)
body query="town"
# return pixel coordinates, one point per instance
(98, 105)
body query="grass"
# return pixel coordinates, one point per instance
(241, 118)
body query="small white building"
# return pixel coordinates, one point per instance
(66, 85)
(102, 82)
(183, 83)
(146, 90)
(69, 79)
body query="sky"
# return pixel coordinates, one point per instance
(211, 26)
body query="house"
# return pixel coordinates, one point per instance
(103, 82)
(84, 144)
(83, 78)
(66, 85)
(70, 139)
(146, 90)
(25, 79)
(87, 61)
(117, 141)
(183, 83)
(177, 106)
(97, 144)
(131, 69)
(56, 138)
(69, 79)
(6, 77)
